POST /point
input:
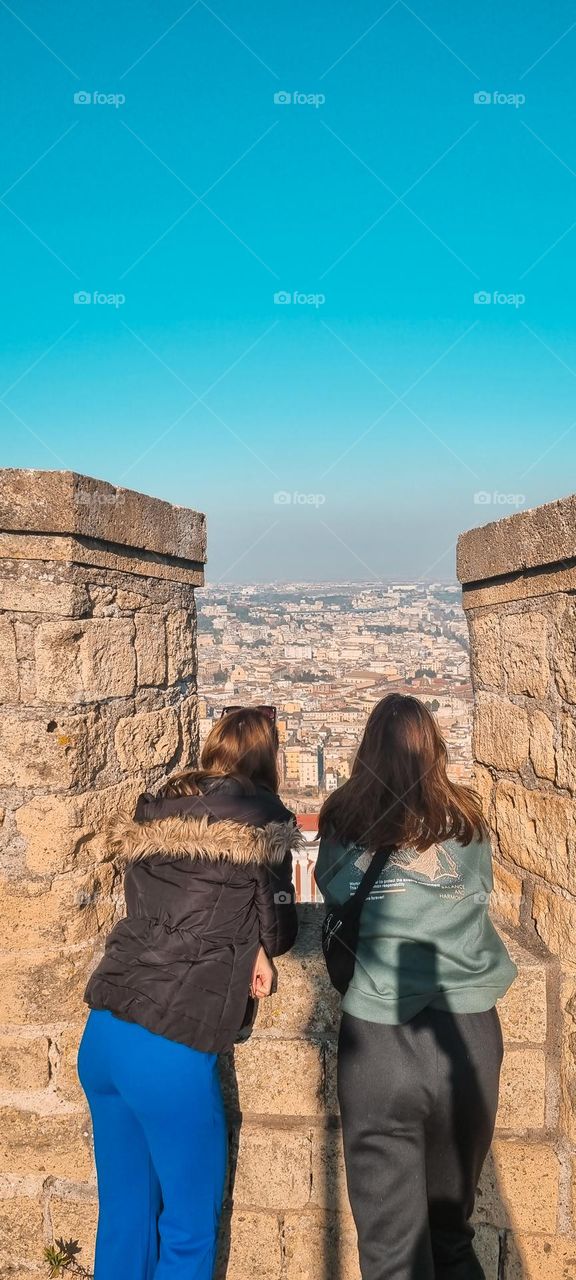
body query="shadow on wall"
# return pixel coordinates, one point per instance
(467, 1109)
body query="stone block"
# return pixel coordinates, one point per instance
(279, 1077)
(181, 645)
(63, 832)
(65, 1075)
(487, 1250)
(500, 736)
(56, 1145)
(21, 1233)
(566, 754)
(24, 1062)
(531, 1257)
(75, 1219)
(542, 754)
(147, 739)
(43, 595)
(250, 1247)
(519, 1187)
(74, 908)
(56, 754)
(568, 1063)
(523, 1010)
(320, 1244)
(485, 642)
(564, 652)
(537, 831)
(150, 649)
(329, 1190)
(85, 661)
(524, 653)
(508, 894)
(273, 1169)
(305, 1002)
(555, 920)
(45, 988)
(9, 682)
(523, 1090)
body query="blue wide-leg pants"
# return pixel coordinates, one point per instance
(160, 1147)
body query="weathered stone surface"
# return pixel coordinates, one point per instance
(531, 1257)
(43, 595)
(524, 653)
(305, 1001)
(566, 754)
(537, 831)
(58, 754)
(508, 894)
(328, 1172)
(65, 1073)
(485, 643)
(286, 1157)
(487, 1250)
(85, 661)
(9, 683)
(523, 1010)
(63, 832)
(279, 1077)
(564, 653)
(500, 735)
(542, 754)
(555, 920)
(541, 536)
(519, 1187)
(250, 1248)
(62, 502)
(181, 642)
(150, 738)
(522, 1090)
(46, 1144)
(320, 1245)
(483, 784)
(150, 649)
(568, 1063)
(75, 1219)
(41, 989)
(20, 1232)
(24, 1062)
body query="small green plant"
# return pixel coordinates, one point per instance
(62, 1260)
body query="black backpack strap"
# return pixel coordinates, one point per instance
(354, 905)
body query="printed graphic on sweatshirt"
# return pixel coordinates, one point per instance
(436, 867)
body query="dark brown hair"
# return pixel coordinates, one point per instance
(242, 745)
(398, 791)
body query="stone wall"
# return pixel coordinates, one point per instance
(98, 693)
(519, 593)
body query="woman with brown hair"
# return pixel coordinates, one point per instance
(420, 1046)
(209, 901)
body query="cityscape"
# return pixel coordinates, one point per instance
(323, 654)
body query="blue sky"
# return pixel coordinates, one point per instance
(380, 409)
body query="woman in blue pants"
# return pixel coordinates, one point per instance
(209, 901)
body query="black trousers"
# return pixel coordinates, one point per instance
(418, 1104)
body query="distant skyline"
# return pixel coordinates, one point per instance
(309, 270)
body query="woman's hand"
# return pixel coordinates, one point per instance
(263, 975)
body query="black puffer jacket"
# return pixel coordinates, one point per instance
(208, 879)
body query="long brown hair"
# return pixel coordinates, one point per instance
(242, 745)
(398, 791)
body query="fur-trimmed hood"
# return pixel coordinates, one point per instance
(187, 836)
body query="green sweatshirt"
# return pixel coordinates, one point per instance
(426, 937)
